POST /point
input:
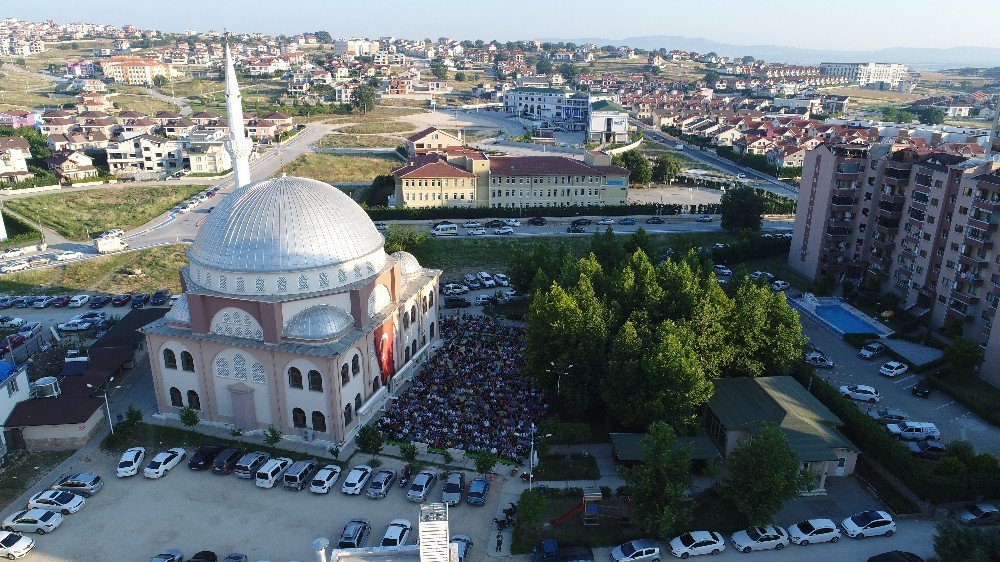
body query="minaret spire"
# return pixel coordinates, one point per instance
(239, 145)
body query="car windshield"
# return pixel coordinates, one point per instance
(452, 488)
(754, 533)
(125, 464)
(47, 515)
(417, 487)
(63, 497)
(865, 518)
(687, 539)
(628, 549)
(154, 465)
(976, 511)
(388, 541)
(806, 527)
(10, 540)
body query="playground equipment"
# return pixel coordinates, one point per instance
(595, 505)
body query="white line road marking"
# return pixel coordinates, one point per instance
(946, 405)
(906, 378)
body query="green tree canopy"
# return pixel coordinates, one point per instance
(963, 357)
(369, 440)
(439, 70)
(659, 486)
(364, 97)
(638, 165)
(666, 168)
(742, 208)
(543, 66)
(931, 116)
(954, 542)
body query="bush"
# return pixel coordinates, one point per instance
(272, 436)
(19, 231)
(369, 440)
(408, 451)
(189, 417)
(374, 462)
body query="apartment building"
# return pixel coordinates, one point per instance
(135, 70)
(920, 221)
(608, 122)
(552, 104)
(207, 153)
(71, 165)
(14, 155)
(145, 153)
(864, 73)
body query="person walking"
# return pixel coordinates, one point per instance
(499, 541)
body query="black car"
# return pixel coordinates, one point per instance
(537, 221)
(655, 220)
(923, 389)
(139, 300)
(160, 297)
(204, 556)
(456, 302)
(225, 461)
(931, 449)
(627, 220)
(575, 229)
(203, 457)
(100, 301)
(495, 223)
(235, 557)
(439, 223)
(581, 222)
(895, 556)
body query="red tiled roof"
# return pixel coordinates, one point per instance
(421, 134)
(431, 166)
(538, 166)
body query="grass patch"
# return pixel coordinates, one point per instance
(715, 512)
(654, 150)
(24, 469)
(81, 215)
(975, 394)
(18, 231)
(359, 141)
(142, 103)
(21, 90)
(159, 266)
(379, 113)
(877, 95)
(607, 533)
(341, 167)
(895, 501)
(377, 127)
(561, 467)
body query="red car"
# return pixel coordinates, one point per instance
(122, 299)
(61, 300)
(11, 341)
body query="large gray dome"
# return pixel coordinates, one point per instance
(285, 224)
(321, 322)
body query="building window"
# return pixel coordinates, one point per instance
(282, 285)
(345, 377)
(324, 279)
(357, 402)
(169, 359)
(303, 283)
(175, 398)
(298, 417)
(12, 385)
(432, 330)
(414, 348)
(376, 383)
(406, 354)
(430, 299)
(355, 365)
(187, 361)
(194, 401)
(315, 381)
(222, 282)
(319, 422)
(413, 314)
(406, 320)
(259, 285)
(240, 286)
(239, 367)
(221, 367)
(294, 378)
(347, 415)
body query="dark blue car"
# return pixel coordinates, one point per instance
(479, 489)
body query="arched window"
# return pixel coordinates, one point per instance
(315, 381)
(169, 359)
(194, 400)
(282, 285)
(413, 314)
(430, 298)
(239, 367)
(406, 320)
(376, 383)
(259, 285)
(294, 378)
(348, 416)
(176, 400)
(423, 304)
(345, 377)
(221, 367)
(319, 422)
(432, 330)
(187, 361)
(355, 365)
(406, 354)
(240, 285)
(357, 402)
(257, 373)
(413, 348)
(298, 417)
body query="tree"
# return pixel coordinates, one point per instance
(963, 356)
(369, 440)
(409, 452)
(404, 239)
(439, 70)
(189, 417)
(544, 66)
(711, 77)
(742, 208)
(530, 508)
(659, 486)
(931, 116)
(638, 165)
(460, 76)
(484, 463)
(159, 81)
(133, 415)
(764, 473)
(37, 143)
(323, 36)
(569, 72)
(957, 543)
(666, 168)
(272, 436)
(364, 97)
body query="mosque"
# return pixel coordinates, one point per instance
(292, 314)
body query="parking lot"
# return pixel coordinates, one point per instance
(133, 518)
(954, 420)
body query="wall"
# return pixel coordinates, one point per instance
(61, 437)
(625, 148)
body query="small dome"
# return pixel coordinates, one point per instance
(407, 263)
(180, 313)
(322, 322)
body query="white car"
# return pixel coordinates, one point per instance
(163, 462)
(606, 221)
(813, 531)
(74, 326)
(769, 537)
(19, 265)
(356, 480)
(486, 279)
(324, 479)
(778, 285)
(512, 222)
(113, 233)
(64, 256)
(860, 392)
(396, 533)
(12, 253)
(14, 546)
(869, 524)
(57, 500)
(504, 230)
(477, 232)
(78, 301)
(455, 289)
(471, 224)
(381, 225)
(817, 359)
(10, 322)
(130, 462)
(34, 520)
(502, 280)
(758, 275)
(697, 542)
(893, 369)
(722, 270)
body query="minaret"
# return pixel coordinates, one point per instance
(994, 147)
(239, 145)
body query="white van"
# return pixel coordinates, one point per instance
(445, 230)
(269, 474)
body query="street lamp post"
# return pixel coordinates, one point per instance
(106, 405)
(531, 455)
(559, 373)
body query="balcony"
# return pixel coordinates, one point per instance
(978, 239)
(984, 222)
(841, 203)
(908, 252)
(896, 182)
(986, 205)
(886, 225)
(838, 231)
(964, 298)
(973, 260)
(927, 290)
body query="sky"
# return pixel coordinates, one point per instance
(844, 24)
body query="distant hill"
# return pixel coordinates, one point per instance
(916, 57)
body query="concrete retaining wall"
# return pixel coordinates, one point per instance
(625, 148)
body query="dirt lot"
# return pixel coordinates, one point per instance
(131, 519)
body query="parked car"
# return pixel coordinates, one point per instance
(778, 285)
(914, 431)
(861, 392)
(236, 557)
(381, 225)
(65, 256)
(456, 302)
(455, 289)
(511, 222)
(225, 461)
(421, 486)
(893, 369)
(92, 316)
(486, 279)
(44, 302)
(923, 389)
(606, 221)
(57, 500)
(202, 458)
(697, 542)
(10, 342)
(871, 350)
(324, 479)
(869, 524)
(636, 550)
(14, 546)
(82, 483)
(817, 359)
(33, 520)
(356, 480)
(204, 556)
(463, 543)
(931, 450)
(355, 534)
(503, 231)
(246, 467)
(139, 300)
(485, 300)
(130, 462)
(813, 531)
(451, 492)
(121, 299)
(477, 232)
(769, 537)
(78, 300)
(705, 218)
(62, 301)
(74, 326)
(495, 223)
(501, 280)
(762, 275)
(655, 220)
(99, 301)
(628, 221)
(471, 224)
(722, 270)
(537, 221)
(575, 229)
(479, 491)
(168, 555)
(895, 556)
(38, 261)
(11, 322)
(396, 533)
(7, 302)
(163, 462)
(380, 484)
(19, 265)
(978, 514)
(30, 329)
(886, 416)
(160, 297)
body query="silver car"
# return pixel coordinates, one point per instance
(634, 551)
(380, 484)
(83, 483)
(421, 486)
(451, 494)
(33, 520)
